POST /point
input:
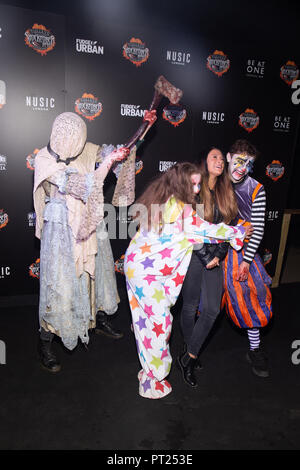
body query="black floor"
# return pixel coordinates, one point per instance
(93, 403)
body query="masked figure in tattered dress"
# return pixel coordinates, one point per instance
(68, 200)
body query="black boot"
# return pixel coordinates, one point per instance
(198, 365)
(187, 364)
(47, 356)
(104, 327)
(258, 359)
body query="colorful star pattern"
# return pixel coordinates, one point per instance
(166, 256)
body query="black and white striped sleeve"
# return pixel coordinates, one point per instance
(258, 222)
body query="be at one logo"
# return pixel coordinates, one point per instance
(218, 63)
(88, 106)
(3, 219)
(289, 72)
(255, 68)
(40, 39)
(281, 123)
(136, 51)
(249, 120)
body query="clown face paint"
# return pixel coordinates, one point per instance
(239, 166)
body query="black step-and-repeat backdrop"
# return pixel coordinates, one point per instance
(51, 63)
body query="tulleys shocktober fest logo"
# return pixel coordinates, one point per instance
(34, 269)
(218, 63)
(119, 265)
(3, 219)
(136, 51)
(275, 170)
(289, 72)
(267, 257)
(40, 39)
(249, 120)
(174, 113)
(88, 106)
(30, 159)
(139, 164)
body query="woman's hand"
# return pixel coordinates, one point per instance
(213, 263)
(249, 231)
(243, 271)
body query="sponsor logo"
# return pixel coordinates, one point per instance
(213, 117)
(267, 257)
(295, 95)
(132, 110)
(275, 170)
(3, 162)
(88, 106)
(40, 39)
(136, 51)
(34, 269)
(31, 217)
(2, 93)
(272, 215)
(174, 113)
(3, 219)
(119, 265)
(249, 120)
(139, 165)
(281, 123)
(165, 165)
(289, 72)
(218, 63)
(31, 158)
(40, 103)
(2, 348)
(178, 57)
(4, 271)
(255, 68)
(89, 47)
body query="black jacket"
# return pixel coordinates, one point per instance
(208, 252)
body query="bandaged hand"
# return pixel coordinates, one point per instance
(120, 154)
(150, 116)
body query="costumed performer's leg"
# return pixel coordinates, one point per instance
(249, 304)
(107, 297)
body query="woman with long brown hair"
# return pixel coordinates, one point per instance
(204, 278)
(156, 262)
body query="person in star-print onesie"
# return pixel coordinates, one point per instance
(156, 263)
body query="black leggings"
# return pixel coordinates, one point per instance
(206, 284)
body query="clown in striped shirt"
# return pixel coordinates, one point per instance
(247, 294)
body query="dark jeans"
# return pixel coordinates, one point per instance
(206, 284)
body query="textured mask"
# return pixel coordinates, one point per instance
(68, 135)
